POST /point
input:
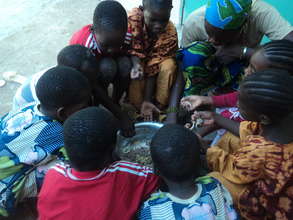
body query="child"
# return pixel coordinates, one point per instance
(175, 154)
(153, 48)
(81, 59)
(257, 169)
(94, 186)
(107, 38)
(31, 137)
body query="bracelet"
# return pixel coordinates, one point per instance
(244, 51)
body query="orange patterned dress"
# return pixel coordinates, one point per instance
(264, 167)
(152, 51)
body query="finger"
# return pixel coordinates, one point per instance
(208, 122)
(187, 125)
(204, 114)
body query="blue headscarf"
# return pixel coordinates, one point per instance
(227, 14)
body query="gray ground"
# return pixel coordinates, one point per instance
(32, 32)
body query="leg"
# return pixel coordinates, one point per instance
(122, 80)
(165, 81)
(107, 71)
(136, 92)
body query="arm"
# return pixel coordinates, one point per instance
(232, 126)
(176, 93)
(127, 124)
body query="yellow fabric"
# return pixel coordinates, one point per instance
(164, 82)
(257, 172)
(264, 20)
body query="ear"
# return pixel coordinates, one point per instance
(61, 114)
(265, 120)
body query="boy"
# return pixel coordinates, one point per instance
(183, 197)
(31, 137)
(107, 38)
(94, 186)
(83, 60)
(153, 48)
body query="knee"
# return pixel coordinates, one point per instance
(168, 67)
(107, 68)
(124, 66)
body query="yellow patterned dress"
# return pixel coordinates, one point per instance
(257, 172)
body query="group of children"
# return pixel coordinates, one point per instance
(58, 142)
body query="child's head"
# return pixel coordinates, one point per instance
(175, 152)
(81, 59)
(156, 15)
(110, 26)
(266, 96)
(275, 54)
(62, 91)
(90, 138)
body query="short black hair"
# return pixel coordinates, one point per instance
(158, 4)
(175, 152)
(269, 92)
(279, 53)
(89, 137)
(61, 87)
(80, 58)
(110, 15)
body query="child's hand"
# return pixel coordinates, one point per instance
(147, 110)
(208, 117)
(136, 71)
(127, 127)
(190, 103)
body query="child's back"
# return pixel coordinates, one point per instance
(30, 139)
(175, 153)
(94, 187)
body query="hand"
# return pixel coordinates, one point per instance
(228, 54)
(136, 71)
(190, 103)
(147, 110)
(208, 117)
(127, 126)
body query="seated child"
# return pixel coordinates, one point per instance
(153, 49)
(81, 59)
(257, 169)
(107, 38)
(94, 186)
(175, 151)
(31, 137)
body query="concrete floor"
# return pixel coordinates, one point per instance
(32, 32)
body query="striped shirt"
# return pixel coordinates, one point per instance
(112, 193)
(211, 202)
(87, 38)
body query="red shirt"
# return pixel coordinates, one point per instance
(87, 38)
(115, 192)
(226, 100)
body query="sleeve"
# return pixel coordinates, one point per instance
(151, 184)
(80, 36)
(193, 28)
(244, 166)
(270, 22)
(135, 28)
(227, 100)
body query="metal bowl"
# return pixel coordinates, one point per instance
(136, 148)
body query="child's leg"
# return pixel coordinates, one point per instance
(107, 71)
(165, 81)
(122, 80)
(136, 92)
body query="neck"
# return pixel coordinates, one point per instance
(47, 112)
(182, 190)
(281, 132)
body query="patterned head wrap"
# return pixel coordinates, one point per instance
(227, 14)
